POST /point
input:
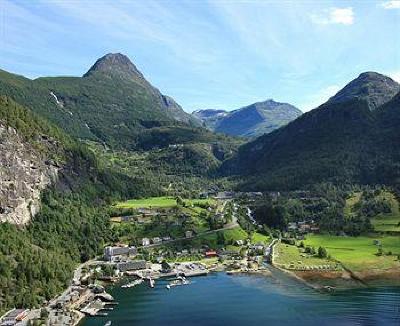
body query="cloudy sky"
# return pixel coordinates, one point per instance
(209, 54)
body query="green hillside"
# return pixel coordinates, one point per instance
(340, 142)
(35, 262)
(113, 103)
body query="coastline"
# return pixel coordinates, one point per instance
(344, 280)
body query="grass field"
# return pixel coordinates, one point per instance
(388, 222)
(211, 240)
(381, 222)
(258, 237)
(291, 257)
(151, 202)
(359, 253)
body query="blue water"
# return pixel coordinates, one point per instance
(219, 299)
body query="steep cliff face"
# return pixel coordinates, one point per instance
(24, 173)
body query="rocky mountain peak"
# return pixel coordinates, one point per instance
(115, 64)
(373, 87)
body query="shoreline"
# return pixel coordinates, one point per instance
(344, 280)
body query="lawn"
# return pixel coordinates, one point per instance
(258, 237)
(152, 202)
(209, 202)
(291, 257)
(358, 253)
(211, 239)
(381, 222)
(235, 234)
(388, 222)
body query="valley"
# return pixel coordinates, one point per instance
(316, 198)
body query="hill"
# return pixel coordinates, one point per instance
(53, 191)
(250, 121)
(342, 141)
(112, 103)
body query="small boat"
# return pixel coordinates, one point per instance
(108, 323)
(179, 281)
(152, 282)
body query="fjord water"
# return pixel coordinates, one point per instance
(219, 299)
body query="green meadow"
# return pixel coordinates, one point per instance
(389, 222)
(152, 202)
(359, 253)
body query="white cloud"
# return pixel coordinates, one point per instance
(394, 4)
(344, 16)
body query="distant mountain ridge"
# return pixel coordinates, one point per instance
(352, 138)
(250, 121)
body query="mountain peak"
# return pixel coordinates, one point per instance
(115, 64)
(375, 88)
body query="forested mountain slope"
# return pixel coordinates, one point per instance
(56, 187)
(342, 141)
(112, 103)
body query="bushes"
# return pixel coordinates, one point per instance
(322, 252)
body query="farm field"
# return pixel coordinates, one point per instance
(359, 253)
(291, 257)
(258, 237)
(152, 202)
(388, 222)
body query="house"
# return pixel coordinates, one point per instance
(292, 226)
(112, 253)
(13, 317)
(166, 238)
(156, 240)
(210, 253)
(131, 265)
(189, 234)
(145, 242)
(203, 195)
(225, 195)
(239, 242)
(305, 228)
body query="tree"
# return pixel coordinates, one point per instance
(322, 252)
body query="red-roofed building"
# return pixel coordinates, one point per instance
(210, 253)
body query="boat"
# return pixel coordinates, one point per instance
(152, 282)
(108, 323)
(132, 284)
(178, 282)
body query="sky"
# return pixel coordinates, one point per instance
(209, 54)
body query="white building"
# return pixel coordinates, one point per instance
(111, 253)
(145, 242)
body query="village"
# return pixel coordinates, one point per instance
(177, 239)
(178, 258)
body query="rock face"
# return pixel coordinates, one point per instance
(24, 173)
